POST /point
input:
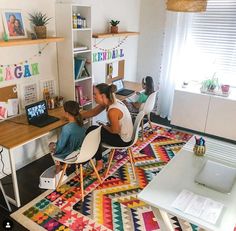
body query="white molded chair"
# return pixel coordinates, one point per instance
(147, 108)
(88, 149)
(134, 140)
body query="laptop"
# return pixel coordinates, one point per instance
(37, 114)
(120, 88)
(217, 176)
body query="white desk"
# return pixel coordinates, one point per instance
(179, 174)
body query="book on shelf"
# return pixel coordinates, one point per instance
(84, 72)
(79, 97)
(79, 63)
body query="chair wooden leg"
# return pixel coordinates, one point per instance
(132, 161)
(142, 130)
(81, 182)
(150, 122)
(61, 177)
(76, 169)
(110, 161)
(95, 170)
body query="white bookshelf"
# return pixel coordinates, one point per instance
(74, 38)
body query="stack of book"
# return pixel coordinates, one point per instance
(80, 67)
(79, 96)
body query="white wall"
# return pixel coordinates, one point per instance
(103, 11)
(127, 12)
(152, 22)
(47, 68)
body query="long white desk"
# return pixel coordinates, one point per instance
(179, 174)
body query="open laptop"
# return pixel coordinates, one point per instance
(217, 176)
(37, 114)
(120, 88)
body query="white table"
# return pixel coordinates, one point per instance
(179, 174)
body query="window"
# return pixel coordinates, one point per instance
(211, 43)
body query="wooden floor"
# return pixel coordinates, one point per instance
(28, 181)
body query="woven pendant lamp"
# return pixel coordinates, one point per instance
(186, 5)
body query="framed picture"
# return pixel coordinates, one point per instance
(14, 24)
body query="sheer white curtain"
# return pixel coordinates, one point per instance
(172, 68)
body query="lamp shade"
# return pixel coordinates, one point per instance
(186, 5)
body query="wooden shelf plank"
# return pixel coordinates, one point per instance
(119, 34)
(23, 42)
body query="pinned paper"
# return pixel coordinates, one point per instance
(12, 107)
(3, 110)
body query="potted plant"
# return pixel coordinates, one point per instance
(114, 27)
(39, 20)
(210, 84)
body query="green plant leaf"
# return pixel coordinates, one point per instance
(114, 22)
(38, 19)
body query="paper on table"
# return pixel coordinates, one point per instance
(212, 211)
(198, 206)
(183, 199)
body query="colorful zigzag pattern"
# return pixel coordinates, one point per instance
(113, 205)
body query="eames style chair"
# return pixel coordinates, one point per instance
(147, 108)
(88, 149)
(128, 148)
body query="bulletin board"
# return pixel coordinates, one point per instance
(9, 92)
(8, 101)
(121, 72)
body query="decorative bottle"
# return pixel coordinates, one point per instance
(75, 21)
(79, 21)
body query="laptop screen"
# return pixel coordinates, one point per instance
(119, 84)
(36, 110)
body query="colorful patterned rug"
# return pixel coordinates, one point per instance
(112, 205)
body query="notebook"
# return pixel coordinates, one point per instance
(217, 176)
(37, 114)
(120, 88)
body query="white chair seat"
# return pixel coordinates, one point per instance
(147, 108)
(110, 147)
(88, 149)
(128, 147)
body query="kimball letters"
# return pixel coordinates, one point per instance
(107, 55)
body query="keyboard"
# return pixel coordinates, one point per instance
(125, 92)
(44, 121)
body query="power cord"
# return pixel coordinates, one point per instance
(3, 165)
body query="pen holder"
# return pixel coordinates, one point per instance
(199, 150)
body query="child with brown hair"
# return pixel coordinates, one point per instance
(72, 134)
(148, 86)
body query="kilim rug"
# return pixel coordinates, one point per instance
(112, 205)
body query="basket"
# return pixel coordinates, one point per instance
(49, 179)
(41, 32)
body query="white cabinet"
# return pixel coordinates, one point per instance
(211, 114)
(77, 43)
(190, 110)
(221, 120)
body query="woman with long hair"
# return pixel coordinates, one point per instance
(119, 129)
